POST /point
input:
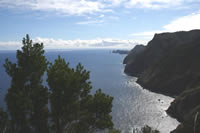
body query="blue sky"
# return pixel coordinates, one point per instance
(93, 23)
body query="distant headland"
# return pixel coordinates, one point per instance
(120, 51)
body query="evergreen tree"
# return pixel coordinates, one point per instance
(27, 98)
(100, 110)
(3, 121)
(147, 129)
(73, 109)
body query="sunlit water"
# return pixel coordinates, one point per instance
(133, 106)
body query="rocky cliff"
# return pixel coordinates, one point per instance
(170, 64)
(133, 54)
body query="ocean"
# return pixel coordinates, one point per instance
(133, 106)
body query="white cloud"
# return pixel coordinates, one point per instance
(158, 4)
(155, 4)
(185, 23)
(82, 7)
(115, 2)
(98, 21)
(90, 22)
(95, 43)
(69, 7)
(101, 16)
(10, 45)
(146, 34)
(50, 43)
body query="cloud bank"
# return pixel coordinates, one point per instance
(50, 43)
(83, 7)
(68, 7)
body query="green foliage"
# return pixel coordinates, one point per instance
(100, 108)
(26, 98)
(3, 121)
(73, 109)
(147, 129)
(63, 99)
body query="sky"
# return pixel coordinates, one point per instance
(93, 23)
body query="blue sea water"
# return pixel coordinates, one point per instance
(133, 106)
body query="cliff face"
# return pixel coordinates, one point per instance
(170, 64)
(186, 108)
(156, 48)
(185, 104)
(176, 71)
(133, 54)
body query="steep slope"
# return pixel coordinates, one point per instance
(158, 47)
(133, 54)
(176, 71)
(185, 104)
(170, 64)
(186, 108)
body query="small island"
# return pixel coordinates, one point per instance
(120, 51)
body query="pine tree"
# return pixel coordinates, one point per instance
(3, 121)
(100, 110)
(27, 98)
(73, 108)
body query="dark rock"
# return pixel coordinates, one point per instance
(183, 106)
(133, 53)
(120, 51)
(175, 71)
(170, 64)
(191, 121)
